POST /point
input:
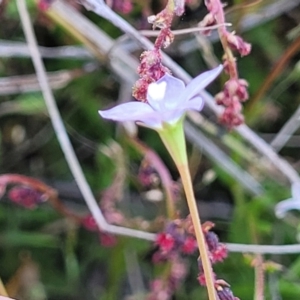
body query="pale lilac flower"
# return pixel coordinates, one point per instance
(168, 99)
(289, 204)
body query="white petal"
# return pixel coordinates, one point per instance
(168, 99)
(156, 91)
(156, 94)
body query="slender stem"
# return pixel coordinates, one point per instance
(189, 192)
(259, 278)
(220, 18)
(174, 140)
(274, 73)
(3, 291)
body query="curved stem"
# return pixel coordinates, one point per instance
(163, 172)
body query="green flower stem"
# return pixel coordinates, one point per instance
(174, 140)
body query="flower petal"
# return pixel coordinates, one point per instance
(156, 94)
(163, 94)
(196, 103)
(133, 111)
(172, 116)
(200, 82)
(296, 191)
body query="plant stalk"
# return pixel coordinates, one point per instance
(189, 192)
(174, 140)
(3, 291)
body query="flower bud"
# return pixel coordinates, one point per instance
(222, 99)
(225, 293)
(231, 118)
(89, 223)
(26, 196)
(189, 245)
(165, 242)
(237, 43)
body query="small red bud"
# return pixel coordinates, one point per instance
(189, 246)
(237, 43)
(89, 223)
(165, 241)
(26, 196)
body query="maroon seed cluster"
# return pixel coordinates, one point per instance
(151, 68)
(235, 89)
(178, 240)
(234, 93)
(26, 196)
(218, 253)
(174, 240)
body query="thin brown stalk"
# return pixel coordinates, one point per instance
(3, 291)
(275, 72)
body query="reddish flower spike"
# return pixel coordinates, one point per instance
(26, 196)
(189, 246)
(220, 253)
(89, 223)
(166, 242)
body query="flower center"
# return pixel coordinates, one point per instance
(157, 91)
